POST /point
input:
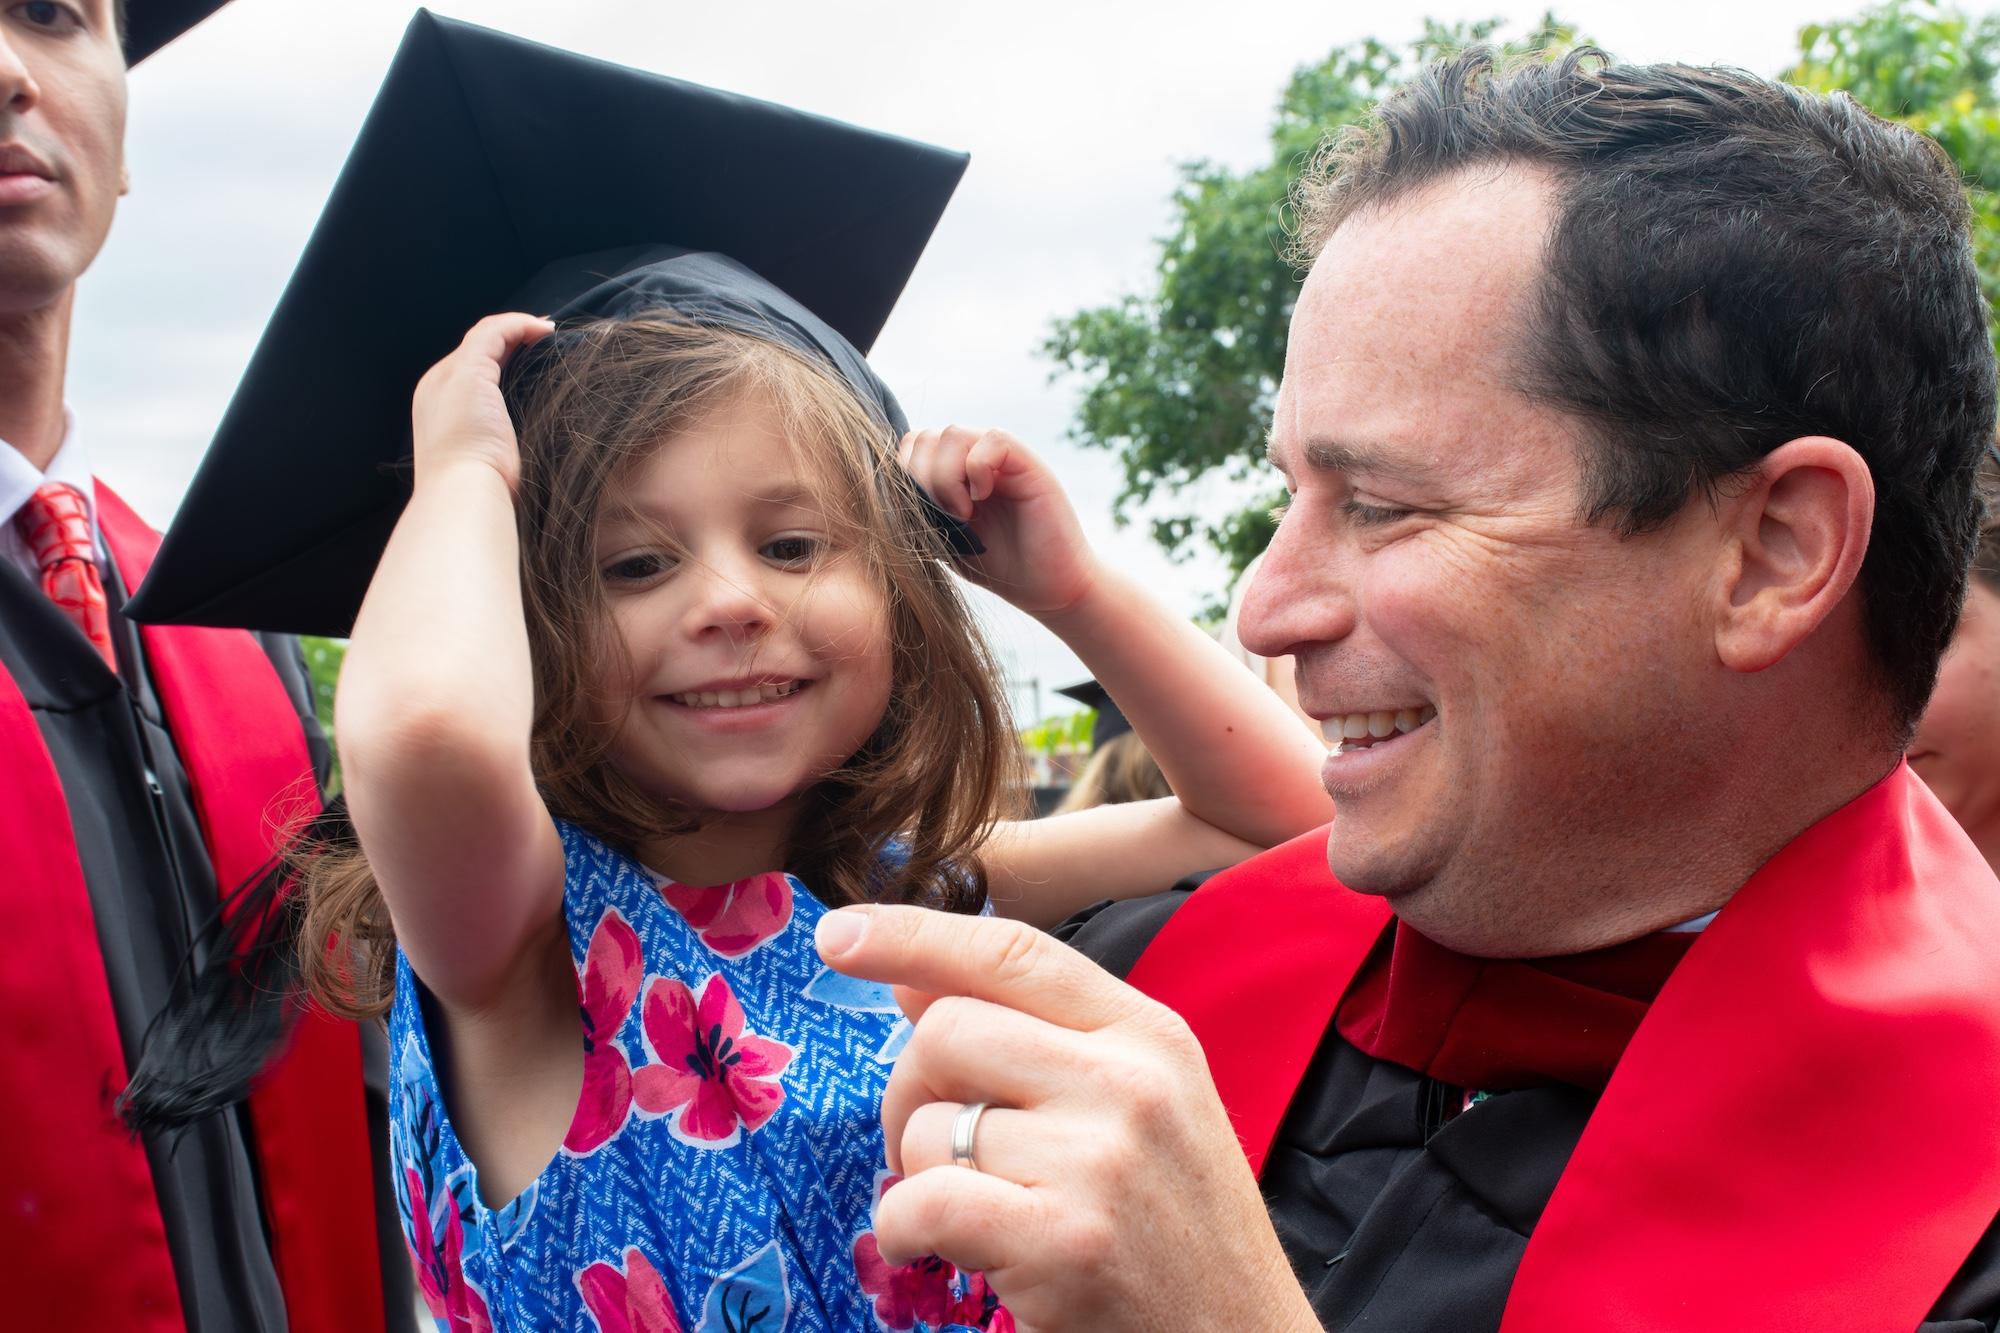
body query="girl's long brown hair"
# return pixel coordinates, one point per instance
(939, 769)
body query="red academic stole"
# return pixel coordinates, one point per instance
(1798, 1134)
(80, 1227)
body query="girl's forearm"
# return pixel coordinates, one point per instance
(1235, 755)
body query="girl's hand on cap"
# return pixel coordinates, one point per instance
(458, 413)
(1036, 554)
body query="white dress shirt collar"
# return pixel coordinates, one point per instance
(19, 480)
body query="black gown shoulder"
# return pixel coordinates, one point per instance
(1400, 1208)
(1114, 934)
(150, 883)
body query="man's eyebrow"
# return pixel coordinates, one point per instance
(1356, 459)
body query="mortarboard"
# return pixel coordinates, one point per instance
(1111, 722)
(151, 24)
(494, 173)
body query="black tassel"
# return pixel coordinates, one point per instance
(233, 1003)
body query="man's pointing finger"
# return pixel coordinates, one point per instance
(1002, 962)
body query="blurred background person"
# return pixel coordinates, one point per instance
(1957, 748)
(1121, 769)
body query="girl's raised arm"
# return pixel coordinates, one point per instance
(1244, 770)
(436, 698)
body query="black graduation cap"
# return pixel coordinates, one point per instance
(1110, 724)
(151, 24)
(491, 174)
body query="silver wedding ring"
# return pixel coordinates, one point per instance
(964, 1126)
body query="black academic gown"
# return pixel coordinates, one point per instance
(1399, 1213)
(151, 887)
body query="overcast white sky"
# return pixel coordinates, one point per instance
(1075, 115)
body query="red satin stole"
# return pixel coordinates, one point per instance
(1491, 1024)
(81, 1226)
(1796, 1133)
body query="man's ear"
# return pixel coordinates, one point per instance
(124, 179)
(1797, 531)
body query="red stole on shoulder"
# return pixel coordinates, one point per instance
(1797, 1134)
(1489, 1024)
(81, 1222)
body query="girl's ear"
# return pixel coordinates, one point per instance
(1796, 535)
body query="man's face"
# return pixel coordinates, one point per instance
(1542, 677)
(62, 135)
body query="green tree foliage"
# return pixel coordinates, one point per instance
(1063, 733)
(1179, 381)
(1934, 68)
(323, 659)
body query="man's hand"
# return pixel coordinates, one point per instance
(1111, 1192)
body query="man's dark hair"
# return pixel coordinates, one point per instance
(1734, 263)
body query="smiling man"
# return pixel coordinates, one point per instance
(1631, 418)
(141, 775)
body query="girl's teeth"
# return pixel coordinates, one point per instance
(755, 694)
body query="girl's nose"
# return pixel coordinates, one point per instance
(729, 600)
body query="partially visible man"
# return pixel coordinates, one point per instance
(1956, 750)
(1631, 417)
(142, 771)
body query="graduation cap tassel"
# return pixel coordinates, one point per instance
(235, 998)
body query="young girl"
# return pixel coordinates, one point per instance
(629, 706)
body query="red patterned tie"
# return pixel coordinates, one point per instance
(56, 524)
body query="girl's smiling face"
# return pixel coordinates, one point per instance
(756, 635)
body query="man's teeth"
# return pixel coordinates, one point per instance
(1376, 726)
(754, 694)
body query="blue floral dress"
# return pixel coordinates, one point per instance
(726, 1154)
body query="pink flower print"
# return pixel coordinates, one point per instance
(980, 1307)
(930, 1291)
(634, 1301)
(605, 989)
(440, 1264)
(705, 1065)
(733, 919)
(904, 1295)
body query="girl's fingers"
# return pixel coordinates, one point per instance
(962, 466)
(948, 471)
(496, 338)
(922, 444)
(985, 461)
